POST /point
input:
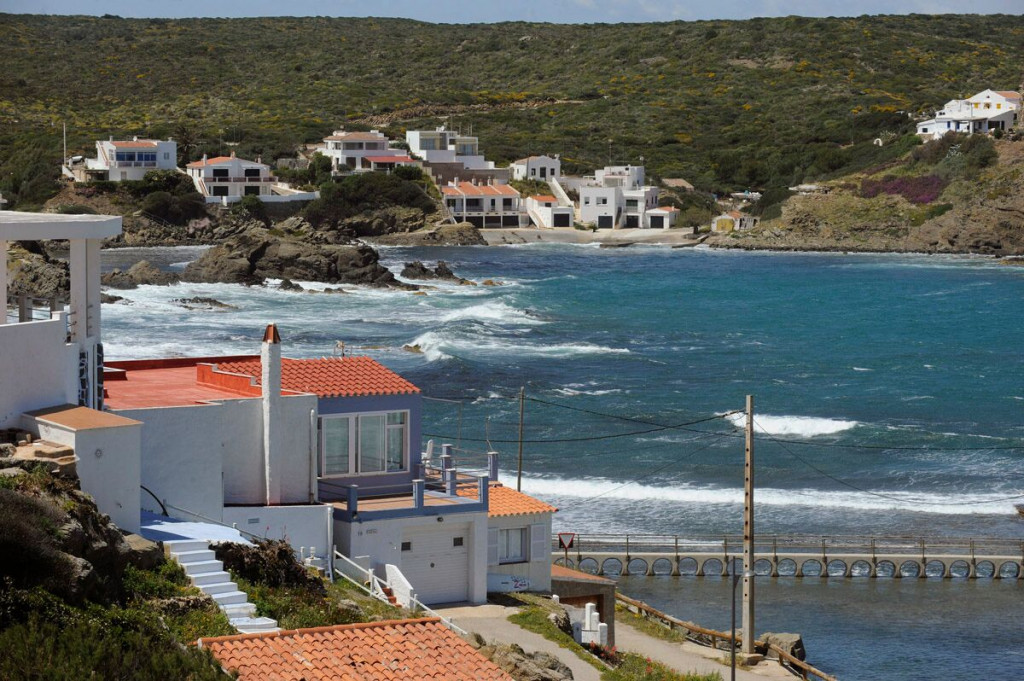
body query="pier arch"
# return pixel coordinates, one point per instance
(712, 566)
(886, 568)
(909, 568)
(837, 568)
(984, 568)
(1009, 570)
(610, 566)
(688, 566)
(637, 566)
(959, 569)
(861, 568)
(810, 568)
(935, 568)
(662, 566)
(786, 567)
(764, 567)
(589, 565)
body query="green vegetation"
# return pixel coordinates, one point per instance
(634, 667)
(530, 187)
(111, 622)
(533, 616)
(726, 104)
(366, 191)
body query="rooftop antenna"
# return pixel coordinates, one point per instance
(339, 348)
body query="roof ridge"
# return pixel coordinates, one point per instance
(230, 638)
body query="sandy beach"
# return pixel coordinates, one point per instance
(611, 237)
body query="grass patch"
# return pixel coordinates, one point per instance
(635, 667)
(533, 616)
(648, 626)
(296, 607)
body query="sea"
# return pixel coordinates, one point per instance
(895, 384)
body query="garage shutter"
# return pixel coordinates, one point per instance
(540, 543)
(604, 221)
(657, 221)
(438, 569)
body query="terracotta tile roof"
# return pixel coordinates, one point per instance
(470, 189)
(544, 198)
(210, 161)
(82, 418)
(1009, 94)
(668, 209)
(330, 376)
(389, 159)
(561, 572)
(505, 501)
(357, 137)
(135, 144)
(395, 650)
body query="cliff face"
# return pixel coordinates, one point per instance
(984, 215)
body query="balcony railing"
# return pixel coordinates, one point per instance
(22, 308)
(133, 164)
(264, 178)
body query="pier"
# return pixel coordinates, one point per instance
(834, 556)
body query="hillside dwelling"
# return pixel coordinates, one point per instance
(447, 146)
(386, 164)
(349, 150)
(121, 160)
(230, 177)
(483, 205)
(541, 168)
(733, 221)
(985, 112)
(52, 368)
(615, 197)
(544, 210)
(663, 217)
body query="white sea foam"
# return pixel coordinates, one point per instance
(798, 426)
(491, 311)
(571, 392)
(613, 491)
(862, 369)
(437, 345)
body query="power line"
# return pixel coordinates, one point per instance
(904, 500)
(593, 438)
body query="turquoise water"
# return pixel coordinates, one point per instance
(838, 350)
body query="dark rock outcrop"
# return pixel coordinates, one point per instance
(525, 666)
(252, 257)
(36, 274)
(289, 285)
(139, 274)
(462, 234)
(417, 270)
(791, 643)
(203, 302)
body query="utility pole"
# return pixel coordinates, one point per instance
(522, 410)
(748, 533)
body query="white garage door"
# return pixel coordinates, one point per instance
(436, 563)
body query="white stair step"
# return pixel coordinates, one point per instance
(194, 556)
(182, 545)
(203, 567)
(210, 578)
(237, 610)
(253, 625)
(218, 588)
(230, 597)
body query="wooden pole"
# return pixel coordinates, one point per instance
(522, 410)
(748, 533)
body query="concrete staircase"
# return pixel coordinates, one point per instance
(207, 574)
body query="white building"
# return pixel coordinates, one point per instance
(545, 211)
(349, 150)
(231, 177)
(120, 160)
(483, 205)
(447, 146)
(518, 541)
(984, 112)
(616, 196)
(663, 217)
(542, 168)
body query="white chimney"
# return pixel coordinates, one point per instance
(270, 381)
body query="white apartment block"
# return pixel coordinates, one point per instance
(230, 177)
(351, 150)
(121, 160)
(542, 168)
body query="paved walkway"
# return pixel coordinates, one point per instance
(689, 657)
(491, 622)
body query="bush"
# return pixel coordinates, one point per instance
(72, 209)
(922, 189)
(30, 553)
(269, 562)
(365, 191)
(176, 210)
(252, 206)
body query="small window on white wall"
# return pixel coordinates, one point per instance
(364, 443)
(512, 545)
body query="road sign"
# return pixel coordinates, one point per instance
(565, 540)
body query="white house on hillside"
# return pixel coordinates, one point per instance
(616, 196)
(348, 150)
(447, 146)
(120, 160)
(984, 112)
(542, 168)
(229, 176)
(483, 205)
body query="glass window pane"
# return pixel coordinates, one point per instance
(371, 444)
(335, 443)
(396, 448)
(396, 418)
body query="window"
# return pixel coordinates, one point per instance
(252, 172)
(506, 204)
(219, 190)
(364, 443)
(251, 190)
(586, 200)
(512, 545)
(407, 546)
(457, 541)
(220, 172)
(167, 155)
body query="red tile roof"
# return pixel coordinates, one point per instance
(389, 159)
(470, 189)
(135, 144)
(505, 501)
(394, 650)
(668, 209)
(210, 161)
(544, 198)
(561, 572)
(357, 137)
(329, 376)
(1009, 94)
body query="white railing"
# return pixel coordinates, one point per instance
(373, 585)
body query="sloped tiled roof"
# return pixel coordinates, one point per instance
(356, 137)
(135, 144)
(395, 650)
(505, 501)
(390, 159)
(544, 198)
(470, 189)
(1009, 94)
(210, 161)
(330, 376)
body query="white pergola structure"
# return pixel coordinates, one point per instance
(58, 360)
